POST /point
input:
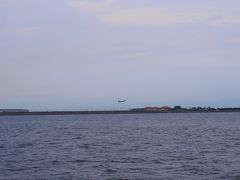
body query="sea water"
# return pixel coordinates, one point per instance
(130, 146)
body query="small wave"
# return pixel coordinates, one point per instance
(111, 170)
(158, 161)
(78, 137)
(24, 145)
(55, 162)
(80, 161)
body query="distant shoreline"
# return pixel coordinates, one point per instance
(106, 112)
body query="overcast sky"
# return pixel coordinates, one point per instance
(87, 54)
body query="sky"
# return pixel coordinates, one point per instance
(87, 54)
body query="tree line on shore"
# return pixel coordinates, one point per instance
(182, 109)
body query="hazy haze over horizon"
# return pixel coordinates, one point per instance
(87, 54)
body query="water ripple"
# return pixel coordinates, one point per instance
(141, 146)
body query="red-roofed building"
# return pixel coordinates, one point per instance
(163, 108)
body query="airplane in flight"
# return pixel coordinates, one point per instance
(122, 101)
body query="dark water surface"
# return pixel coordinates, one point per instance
(141, 146)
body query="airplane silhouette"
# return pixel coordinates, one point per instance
(121, 101)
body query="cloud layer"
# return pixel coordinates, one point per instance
(115, 12)
(72, 54)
